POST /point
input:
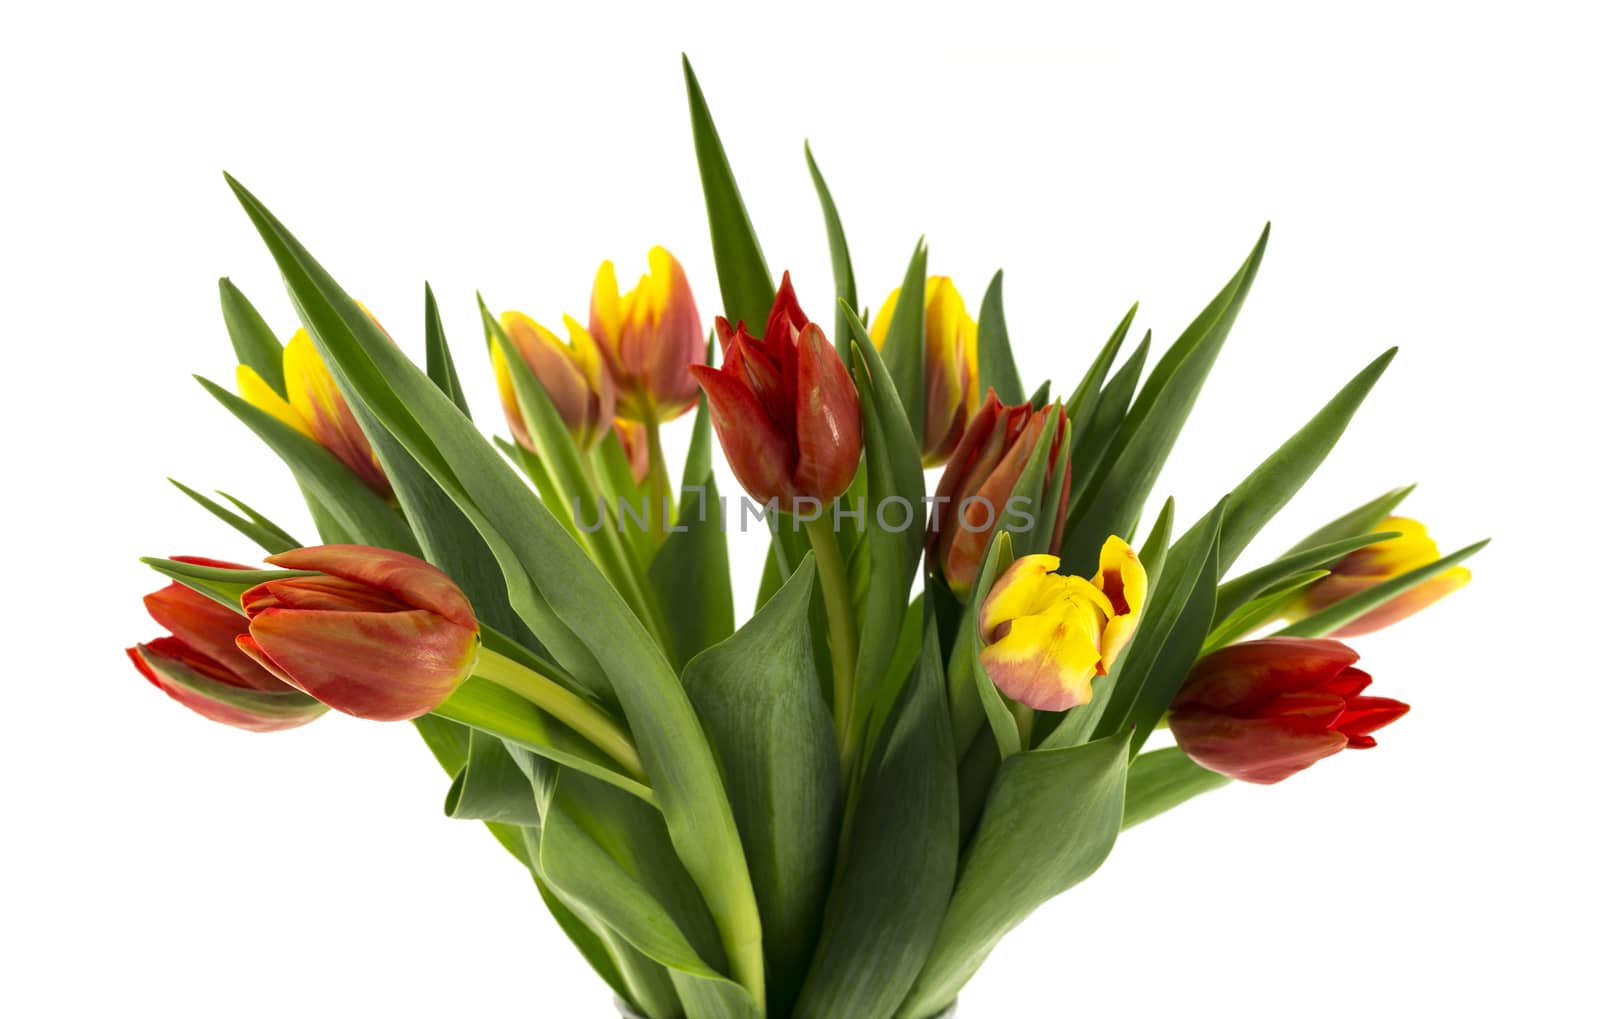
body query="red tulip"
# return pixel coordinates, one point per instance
(784, 407)
(200, 667)
(382, 635)
(980, 480)
(1264, 709)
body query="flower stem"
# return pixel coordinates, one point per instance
(587, 720)
(658, 485)
(841, 614)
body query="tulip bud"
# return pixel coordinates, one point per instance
(1046, 636)
(979, 481)
(1375, 564)
(382, 635)
(649, 337)
(784, 407)
(1264, 709)
(950, 366)
(200, 667)
(572, 374)
(315, 409)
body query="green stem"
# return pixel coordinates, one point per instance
(658, 485)
(841, 614)
(586, 719)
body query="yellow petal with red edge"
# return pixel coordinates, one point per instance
(1123, 579)
(255, 391)
(1048, 661)
(1407, 604)
(605, 306)
(1026, 588)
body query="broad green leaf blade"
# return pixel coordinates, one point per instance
(904, 348)
(253, 342)
(491, 786)
(967, 668)
(441, 366)
(1089, 444)
(742, 273)
(1050, 822)
(263, 532)
(1163, 779)
(1257, 498)
(551, 583)
(604, 856)
(759, 696)
(1348, 610)
(1083, 401)
(844, 275)
(1153, 553)
(1119, 490)
(359, 511)
(1241, 589)
(1358, 521)
(997, 366)
(894, 881)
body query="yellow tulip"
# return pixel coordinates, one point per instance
(1046, 636)
(1375, 564)
(572, 374)
(315, 409)
(649, 337)
(950, 367)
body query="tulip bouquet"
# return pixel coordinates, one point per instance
(941, 712)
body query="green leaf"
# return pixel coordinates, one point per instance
(844, 276)
(1258, 612)
(1161, 780)
(894, 473)
(903, 347)
(441, 366)
(1358, 521)
(1348, 610)
(997, 366)
(898, 867)
(1022, 856)
(490, 785)
(742, 273)
(600, 852)
(690, 573)
(1241, 589)
(1176, 619)
(759, 696)
(1007, 737)
(252, 525)
(1153, 554)
(1151, 428)
(1083, 401)
(1257, 498)
(551, 584)
(253, 342)
(357, 509)
(1090, 444)
(222, 584)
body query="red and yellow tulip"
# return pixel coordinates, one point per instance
(950, 397)
(649, 337)
(315, 409)
(1046, 636)
(380, 635)
(1375, 564)
(980, 480)
(784, 407)
(573, 374)
(1263, 710)
(200, 666)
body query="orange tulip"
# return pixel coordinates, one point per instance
(574, 376)
(649, 337)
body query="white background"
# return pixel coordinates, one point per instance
(1431, 175)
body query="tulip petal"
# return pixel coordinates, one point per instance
(256, 392)
(385, 666)
(827, 419)
(1048, 661)
(409, 579)
(325, 594)
(1262, 751)
(208, 627)
(180, 676)
(760, 455)
(1407, 604)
